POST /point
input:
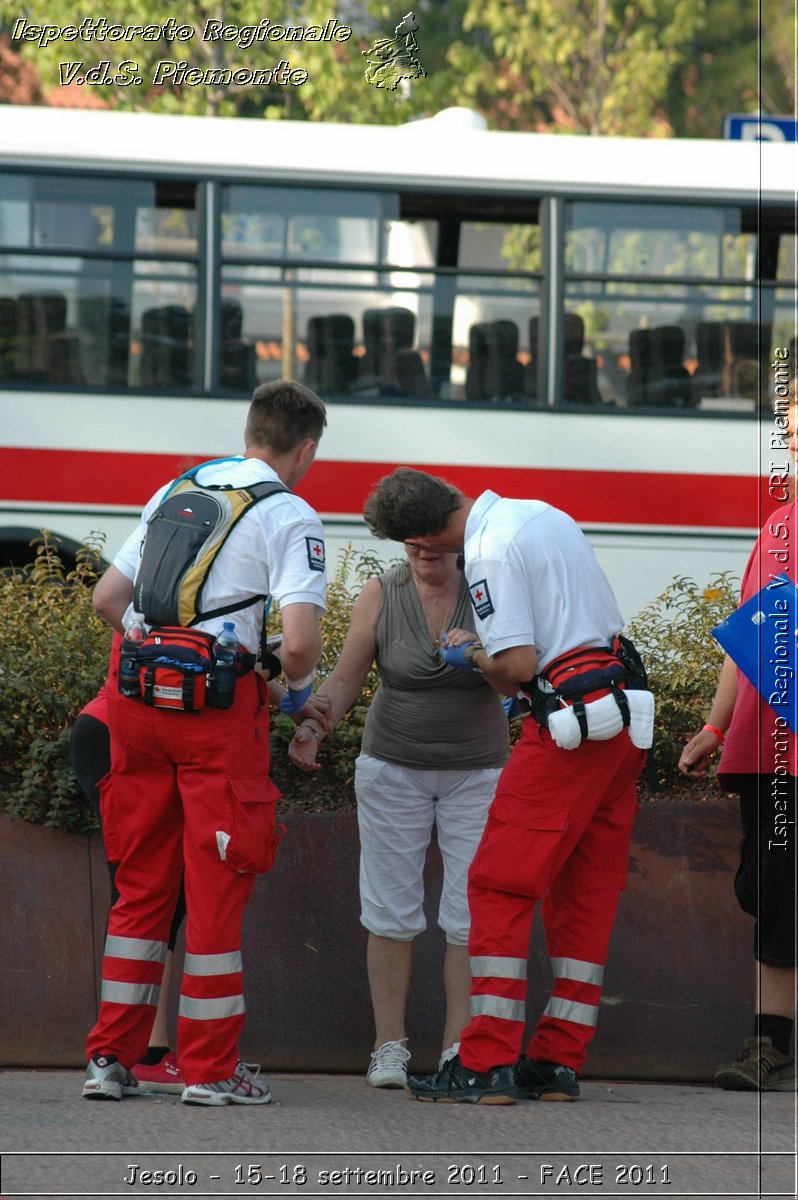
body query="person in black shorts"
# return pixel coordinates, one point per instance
(760, 763)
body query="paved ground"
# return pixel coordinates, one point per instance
(331, 1135)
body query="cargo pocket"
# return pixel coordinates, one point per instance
(110, 834)
(250, 845)
(517, 856)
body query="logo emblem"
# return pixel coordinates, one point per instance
(394, 61)
(315, 548)
(480, 599)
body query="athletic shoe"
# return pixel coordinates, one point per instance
(388, 1067)
(538, 1080)
(241, 1088)
(448, 1053)
(107, 1079)
(164, 1076)
(759, 1067)
(457, 1084)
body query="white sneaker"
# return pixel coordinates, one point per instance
(241, 1088)
(107, 1079)
(448, 1053)
(388, 1067)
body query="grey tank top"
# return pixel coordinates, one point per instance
(424, 714)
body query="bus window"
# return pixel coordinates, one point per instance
(80, 304)
(669, 300)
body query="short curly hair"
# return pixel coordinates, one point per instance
(409, 503)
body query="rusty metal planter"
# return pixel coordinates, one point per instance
(678, 988)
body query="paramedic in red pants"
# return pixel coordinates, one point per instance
(180, 778)
(559, 826)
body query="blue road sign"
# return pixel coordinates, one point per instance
(755, 128)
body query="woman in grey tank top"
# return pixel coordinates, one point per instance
(433, 747)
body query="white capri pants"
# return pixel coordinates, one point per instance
(396, 809)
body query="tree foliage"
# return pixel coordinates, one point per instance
(741, 60)
(627, 67)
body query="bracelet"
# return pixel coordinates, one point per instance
(315, 732)
(469, 657)
(719, 734)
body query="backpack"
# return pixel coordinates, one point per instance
(184, 535)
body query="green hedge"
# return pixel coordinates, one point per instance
(54, 654)
(673, 634)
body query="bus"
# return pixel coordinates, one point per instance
(601, 323)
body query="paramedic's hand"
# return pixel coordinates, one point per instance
(303, 748)
(453, 648)
(295, 699)
(316, 709)
(698, 754)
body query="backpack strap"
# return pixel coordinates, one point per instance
(258, 491)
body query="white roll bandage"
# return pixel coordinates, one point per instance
(604, 721)
(296, 685)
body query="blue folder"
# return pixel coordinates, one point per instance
(760, 636)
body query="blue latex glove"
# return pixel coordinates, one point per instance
(454, 656)
(293, 701)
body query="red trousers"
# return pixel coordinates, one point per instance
(178, 780)
(558, 831)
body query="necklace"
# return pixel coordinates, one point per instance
(431, 608)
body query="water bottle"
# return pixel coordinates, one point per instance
(224, 670)
(128, 658)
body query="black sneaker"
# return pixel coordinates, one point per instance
(545, 1080)
(456, 1084)
(759, 1067)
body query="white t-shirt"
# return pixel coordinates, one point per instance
(277, 548)
(534, 580)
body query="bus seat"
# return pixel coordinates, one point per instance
(165, 349)
(708, 377)
(411, 376)
(477, 360)
(746, 359)
(8, 337)
(580, 372)
(47, 351)
(580, 380)
(387, 332)
(331, 366)
(104, 332)
(639, 367)
(670, 383)
(494, 372)
(237, 360)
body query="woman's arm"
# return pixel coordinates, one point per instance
(345, 682)
(698, 752)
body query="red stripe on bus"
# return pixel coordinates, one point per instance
(85, 477)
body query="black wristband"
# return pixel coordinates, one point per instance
(271, 663)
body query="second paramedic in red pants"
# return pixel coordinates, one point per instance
(559, 827)
(182, 781)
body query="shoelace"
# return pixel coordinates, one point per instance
(391, 1054)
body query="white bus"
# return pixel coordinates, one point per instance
(590, 321)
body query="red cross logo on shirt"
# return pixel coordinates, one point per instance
(480, 598)
(315, 551)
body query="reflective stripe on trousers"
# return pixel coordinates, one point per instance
(129, 976)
